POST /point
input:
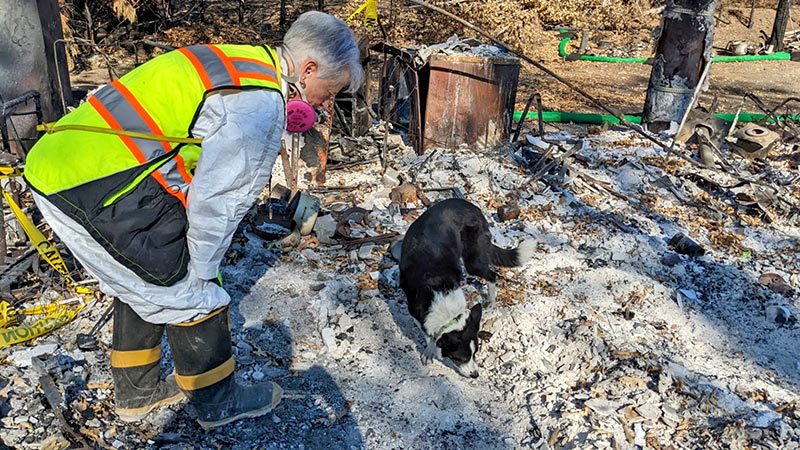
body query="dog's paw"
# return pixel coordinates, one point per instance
(429, 354)
(491, 297)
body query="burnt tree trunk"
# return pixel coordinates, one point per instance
(779, 27)
(57, 70)
(683, 50)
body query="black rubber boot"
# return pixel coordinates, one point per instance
(204, 371)
(135, 356)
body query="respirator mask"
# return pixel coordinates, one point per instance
(300, 115)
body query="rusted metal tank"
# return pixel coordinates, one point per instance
(470, 100)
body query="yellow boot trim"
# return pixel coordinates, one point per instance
(205, 379)
(202, 319)
(122, 359)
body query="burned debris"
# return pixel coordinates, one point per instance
(659, 309)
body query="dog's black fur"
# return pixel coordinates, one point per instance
(433, 249)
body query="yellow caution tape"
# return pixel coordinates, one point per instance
(22, 333)
(51, 128)
(370, 8)
(9, 172)
(8, 314)
(46, 249)
(371, 14)
(41, 310)
(360, 8)
(56, 313)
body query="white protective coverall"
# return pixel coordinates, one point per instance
(241, 134)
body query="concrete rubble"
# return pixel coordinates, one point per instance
(606, 339)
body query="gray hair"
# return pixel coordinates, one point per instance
(329, 41)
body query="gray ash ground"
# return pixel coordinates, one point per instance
(605, 339)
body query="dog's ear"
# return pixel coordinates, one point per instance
(475, 313)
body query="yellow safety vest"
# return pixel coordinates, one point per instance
(161, 97)
(106, 170)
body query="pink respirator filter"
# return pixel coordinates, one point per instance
(300, 116)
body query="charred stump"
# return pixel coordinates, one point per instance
(779, 26)
(683, 50)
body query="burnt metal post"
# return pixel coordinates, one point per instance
(385, 145)
(683, 50)
(57, 70)
(779, 26)
(314, 150)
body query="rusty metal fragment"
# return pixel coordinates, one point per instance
(754, 141)
(315, 151)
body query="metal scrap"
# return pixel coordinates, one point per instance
(754, 141)
(706, 130)
(686, 246)
(408, 193)
(350, 217)
(55, 400)
(379, 238)
(543, 165)
(756, 195)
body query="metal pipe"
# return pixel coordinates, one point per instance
(518, 129)
(5, 111)
(386, 132)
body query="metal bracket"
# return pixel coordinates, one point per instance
(7, 111)
(515, 131)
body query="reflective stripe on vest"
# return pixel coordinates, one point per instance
(217, 70)
(160, 98)
(121, 110)
(209, 65)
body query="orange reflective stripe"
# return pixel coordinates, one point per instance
(173, 192)
(257, 76)
(251, 60)
(182, 169)
(198, 67)
(227, 62)
(154, 128)
(116, 126)
(137, 153)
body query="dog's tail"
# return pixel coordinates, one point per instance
(504, 257)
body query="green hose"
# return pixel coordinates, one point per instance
(600, 119)
(781, 56)
(777, 56)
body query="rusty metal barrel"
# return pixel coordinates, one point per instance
(470, 100)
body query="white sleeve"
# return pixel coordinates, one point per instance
(241, 136)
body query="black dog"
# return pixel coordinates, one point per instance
(433, 249)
